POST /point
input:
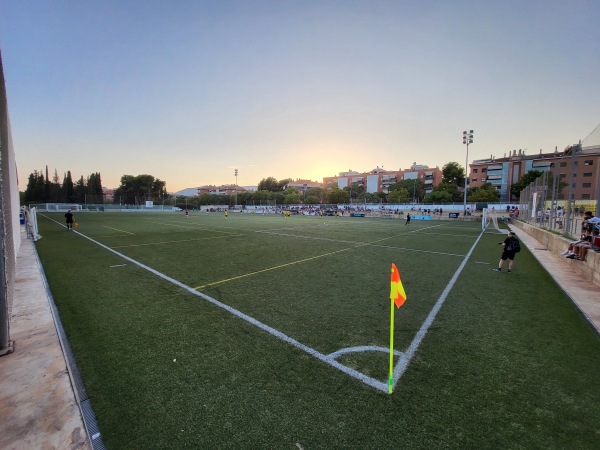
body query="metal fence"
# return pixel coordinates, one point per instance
(547, 203)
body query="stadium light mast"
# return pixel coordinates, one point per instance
(467, 139)
(236, 174)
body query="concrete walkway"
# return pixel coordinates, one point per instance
(585, 295)
(38, 409)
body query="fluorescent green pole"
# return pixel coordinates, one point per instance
(391, 381)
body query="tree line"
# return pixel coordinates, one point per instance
(42, 189)
(136, 190)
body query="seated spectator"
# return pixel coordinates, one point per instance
(570, 251)
(580, 250)
(589, 221)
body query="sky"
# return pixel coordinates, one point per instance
(190, 90)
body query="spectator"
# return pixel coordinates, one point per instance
(572, 252)
(510, 247)
(580, 250)
(589, 221)
(559, 217)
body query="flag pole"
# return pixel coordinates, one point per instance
(391, 378)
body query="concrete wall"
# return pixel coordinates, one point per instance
(589, 269)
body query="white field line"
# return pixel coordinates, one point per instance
(402, 365)
(178, 241)
(399, 368)
(368, 244)
(189, 227)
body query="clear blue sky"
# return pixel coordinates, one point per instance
(189, 90)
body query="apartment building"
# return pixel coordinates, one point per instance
(379, 180)
(573, 163)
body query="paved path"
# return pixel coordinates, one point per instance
(38, 409)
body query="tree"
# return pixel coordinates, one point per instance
(67, 188)
(94, 188)
(261, 196)
(369, 197)
(438, 197)
(312, 200)
(354, 190)
(449, 190)
(55, 192)
(35, 188)
(453, 173)
(486, 193)
(277, 197)
(399, 196)
(292, 199)
(314, 192)
(47, 187)
(415, 187)
(283, 183)
(291, 191)
(524, 181)
(268, 184)
(138, 189)
(204, 199)
(337, 195)
(79, 191)
(244, 198)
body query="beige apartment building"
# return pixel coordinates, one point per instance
(379, 180)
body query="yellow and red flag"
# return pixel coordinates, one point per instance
(397, 293)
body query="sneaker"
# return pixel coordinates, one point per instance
(572, 256)
(497, 270)
(566, 252)
(509, 270)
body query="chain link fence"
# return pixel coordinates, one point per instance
(549, 203)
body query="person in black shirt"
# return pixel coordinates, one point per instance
(508, 252)
(69, 218)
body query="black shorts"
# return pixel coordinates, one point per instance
(507, 255)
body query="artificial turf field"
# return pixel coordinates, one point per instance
(214, 332)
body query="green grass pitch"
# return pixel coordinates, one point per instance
(508, 362)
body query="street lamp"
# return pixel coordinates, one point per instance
(415, 191)
(467, 139)
(236, 174)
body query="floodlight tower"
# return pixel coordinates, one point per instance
(236, 174)
(467, 139)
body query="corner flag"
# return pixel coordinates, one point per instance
(397, 296)
(397, 293)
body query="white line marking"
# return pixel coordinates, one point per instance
(400, 367)
(118, 265)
